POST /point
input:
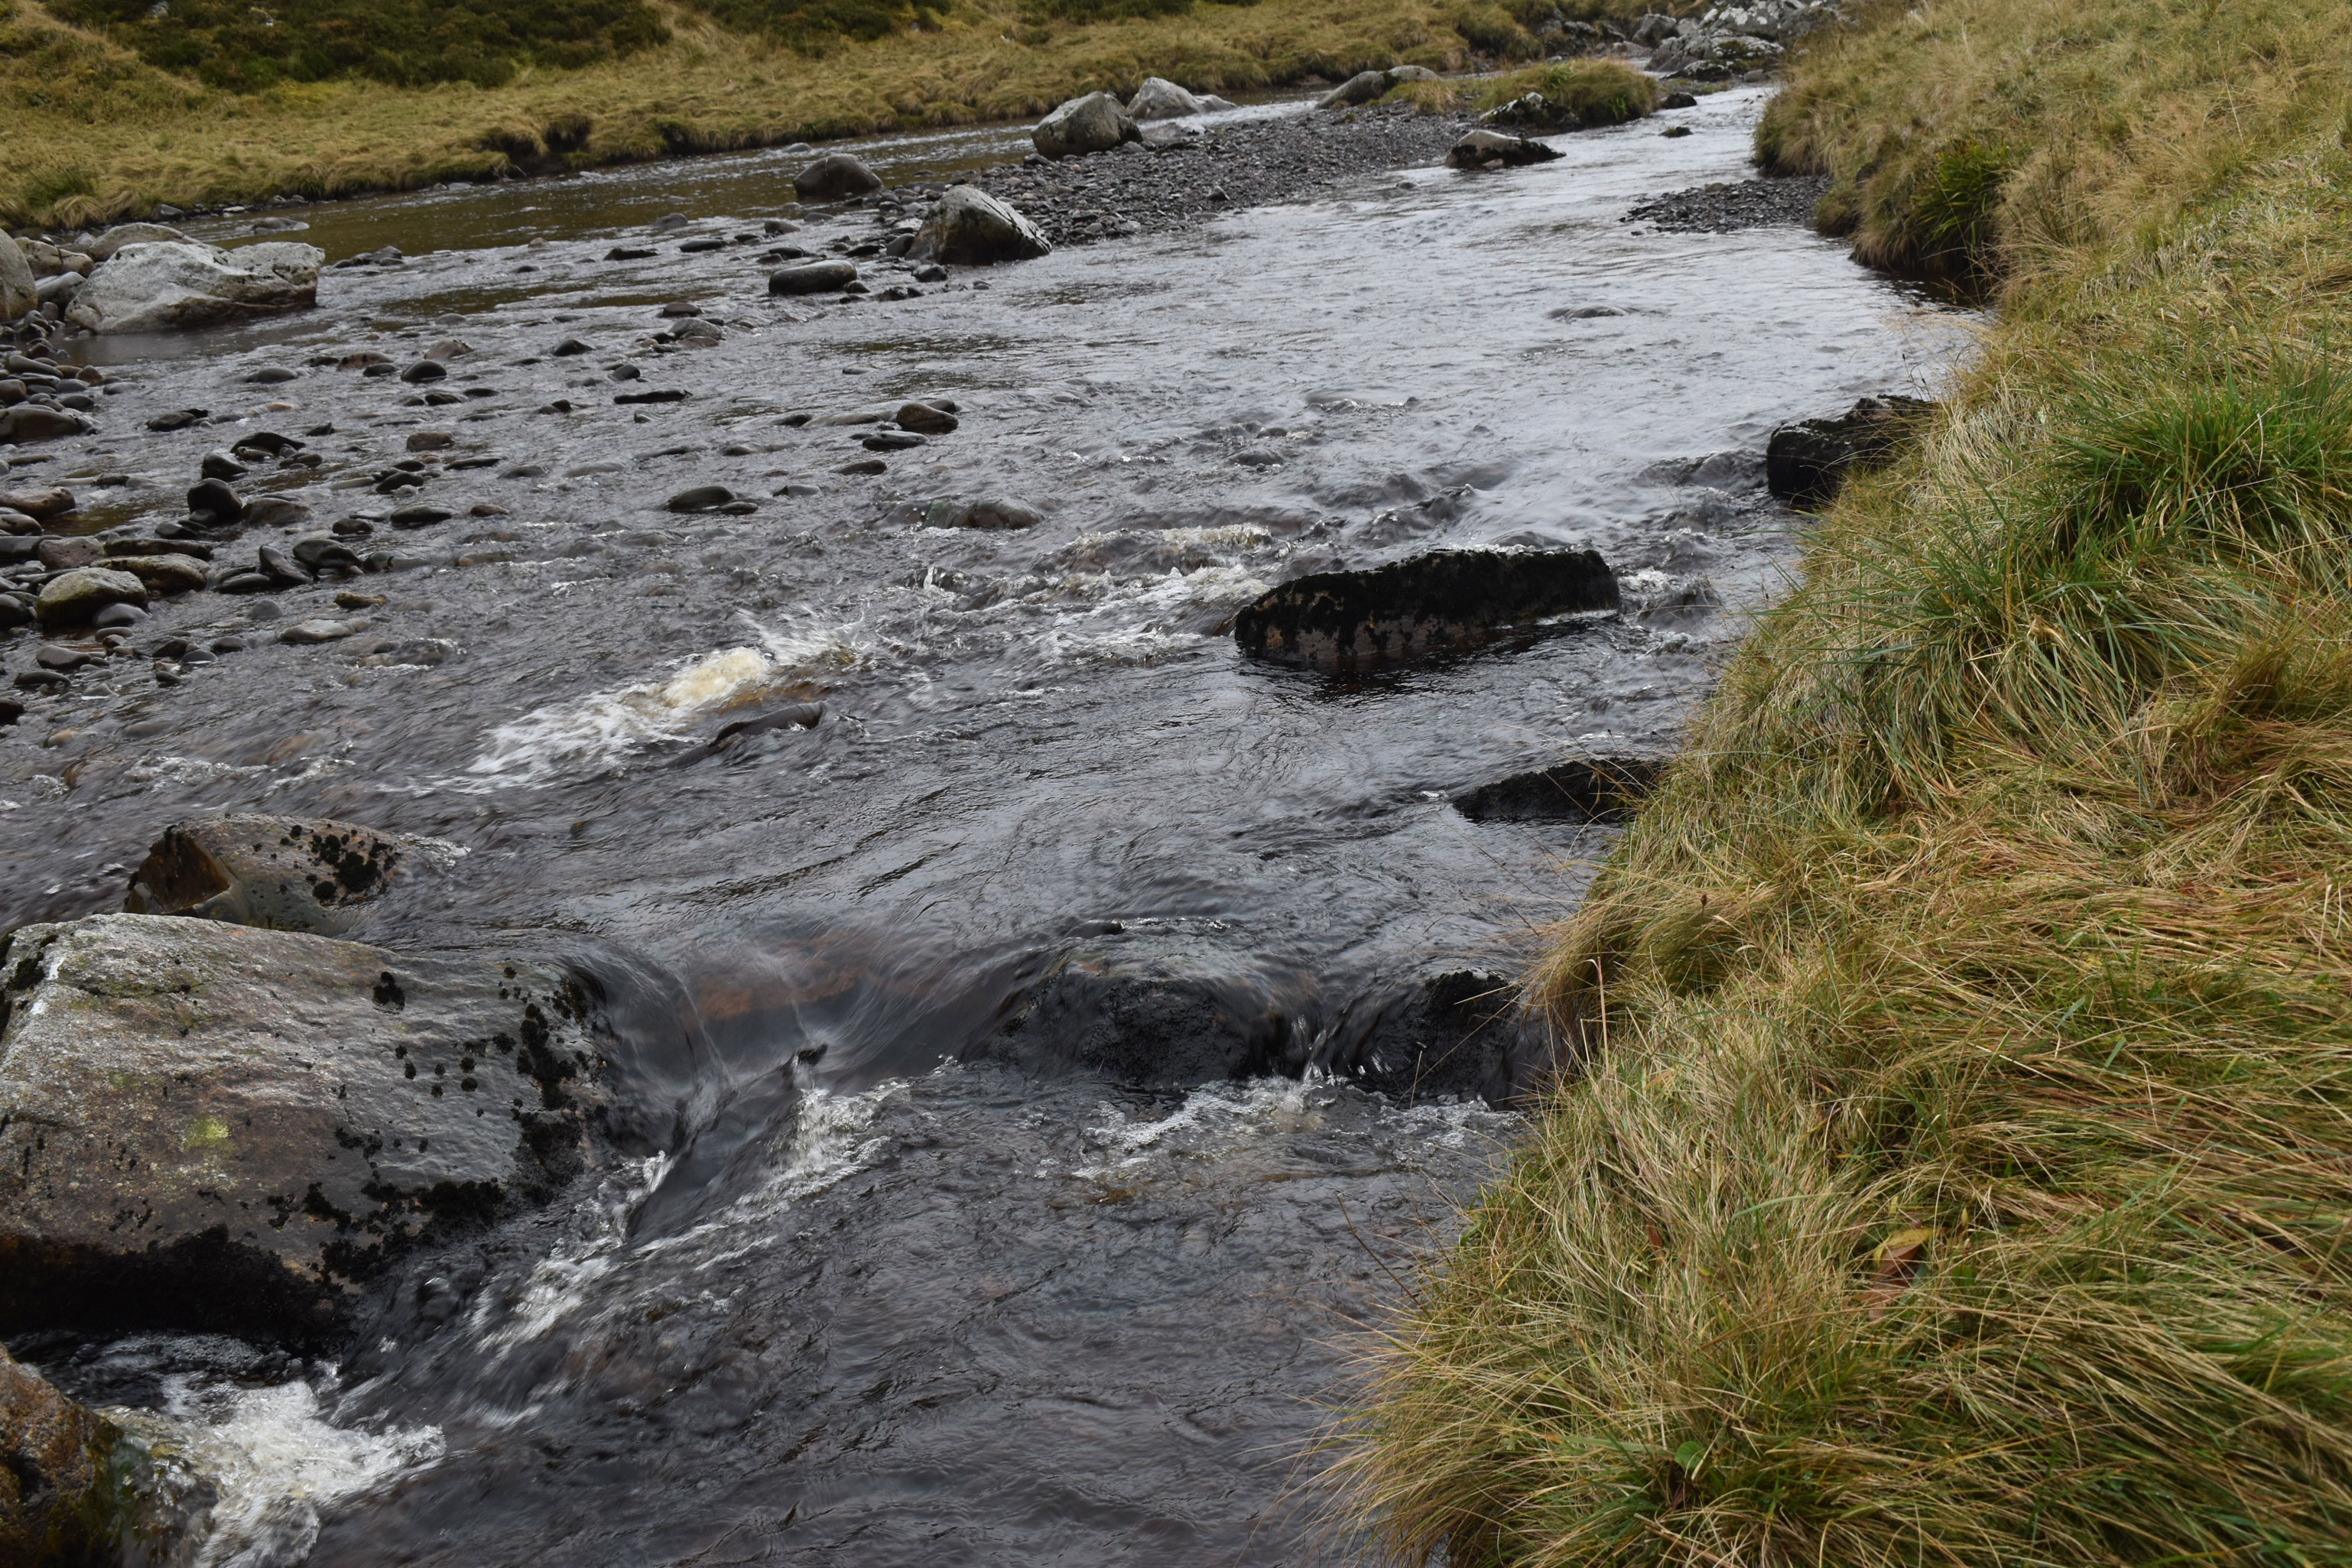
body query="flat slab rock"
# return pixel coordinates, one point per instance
(211, 1126)
(1443, 603)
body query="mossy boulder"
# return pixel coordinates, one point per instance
(214, 1126)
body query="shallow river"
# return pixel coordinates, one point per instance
(863, 1282)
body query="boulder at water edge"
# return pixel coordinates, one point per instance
(1493, 150)
(284, 873)
(1580, 789)
(17, 281)
(211, 1126)
(1444, 603)
(836, 177)
(154, 287)
(59, 1502)
(1361, 88)
(1160, 98)
(971, 228)
(1095, 123)
(1806, 462)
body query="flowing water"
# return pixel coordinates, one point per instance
(857, 1285)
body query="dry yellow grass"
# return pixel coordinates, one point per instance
(1960, 1168)
(88, 133)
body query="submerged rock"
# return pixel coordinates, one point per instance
(971, 228)
(1580, 790)
(154, 287)
(32, 422)
(215, 1126)
(1493, 150)
(1444, 603)
(283, 873)
(1460, 1031)
(1164, 1010)
(813, 277)
(1095, 123)
(1806, 462)
(836, 177)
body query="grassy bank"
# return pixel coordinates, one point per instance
(1960, 1167)
(92, 129)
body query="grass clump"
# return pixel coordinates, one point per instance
(1959, 1168)
(1572, 93)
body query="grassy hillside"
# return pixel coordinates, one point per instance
(107, 107)
(1961, 1171)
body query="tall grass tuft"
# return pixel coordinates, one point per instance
(1958, 1168)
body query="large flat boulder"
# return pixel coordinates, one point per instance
(170, 285)
(214, 1126)
(1447, 601)
(1095, 123)
(971, 228)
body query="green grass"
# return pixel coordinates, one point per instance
(1578, 92)
(1960, 1168)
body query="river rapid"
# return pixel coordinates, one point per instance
(856, 1282)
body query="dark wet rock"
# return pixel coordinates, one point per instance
(696, 334)
(207, 1125)
(701, 498)
(220, 466)
(279, 873)
(1580, 790)
(990, 512)
(1494, 150)
(631, 252)
(813, 277)
(971, 228)
(1806, 462)
(668, 394)
(891, 441)
(1443, 603)
(212, 505)
(281, 568)
(272, 376)
(865, 466)
(178, 419)
(324, 553)
(836, 177)
(1094, 123)
(71, 598)
(1729, 206)
(425, 370)
(1164, 1010)
(65, 554)
(1361, 88)
(1678, 100)
(116, 617)
(304, 634)
(420, 516)
(793, 715)
(568, 347)
(264, 443)
(1458, 1032)
(927, 418)
(32, 422)
(430, 440)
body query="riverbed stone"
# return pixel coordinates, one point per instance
(280, 873)
(836, 177)
(319, 629)
(215, 1126)
(813, 277)
(1160, 98)
(969, 227)
(164, 574)
(1361, 88)
(42, 505)
(71, 598)
(925, 418)
(1493, 149)
(103, 247)
(161, 287)
(1094, 123)
(1446, 602)
(33, 421)
(16, 280)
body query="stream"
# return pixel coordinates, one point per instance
(859, 1280)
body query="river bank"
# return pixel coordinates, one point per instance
(1956, 1168)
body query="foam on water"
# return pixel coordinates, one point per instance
(274, 1460)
